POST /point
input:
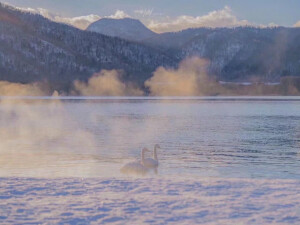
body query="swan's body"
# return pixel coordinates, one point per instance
(134, 168)
(152, 162)
(137, 167)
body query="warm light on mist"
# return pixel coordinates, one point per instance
(190, 79)
(17, 89)
(106, 83)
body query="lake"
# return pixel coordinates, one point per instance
(223, 160)
(219, 137)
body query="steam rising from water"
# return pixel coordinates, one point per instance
(34, 135)
(48, 138)
(33, 124)
(190, 79)
(106, 83)
(16, 89)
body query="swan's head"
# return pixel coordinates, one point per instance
(157, 146)
(145, 150)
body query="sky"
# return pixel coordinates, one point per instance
(170, 15)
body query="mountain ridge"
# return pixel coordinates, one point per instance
(240, 53)
(33, 48)
(236, 54)
(126, 28)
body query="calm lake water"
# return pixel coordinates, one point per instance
(207, 137)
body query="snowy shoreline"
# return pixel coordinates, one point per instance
(149, 200)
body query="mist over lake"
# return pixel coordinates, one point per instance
(242, 151)
(218, 137)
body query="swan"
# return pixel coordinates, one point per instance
(137, 167)
(152, 162)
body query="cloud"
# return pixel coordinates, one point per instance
(81, 22)
(271, 25)
(106, 83)
(119, 14)
(190, 79)
(220, 18)
(41, 11)
(297, 24)
(144, 12)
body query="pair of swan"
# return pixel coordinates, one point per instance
(143, 166)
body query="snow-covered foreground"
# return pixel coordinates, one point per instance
(149, 200)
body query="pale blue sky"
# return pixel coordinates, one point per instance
(281, 12)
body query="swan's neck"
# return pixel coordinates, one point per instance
(143, 157)
(155, 154)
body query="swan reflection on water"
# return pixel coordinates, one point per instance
(142, 167)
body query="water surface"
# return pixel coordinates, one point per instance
(227, 137)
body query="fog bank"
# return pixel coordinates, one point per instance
(106, 83)
(190, 79)
(17, 89)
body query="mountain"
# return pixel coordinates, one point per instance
(127, 28)
(33, 48)
(238, 54)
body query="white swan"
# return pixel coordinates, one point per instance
(152, 162)
(137, 167)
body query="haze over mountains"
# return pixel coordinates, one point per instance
(33, 48)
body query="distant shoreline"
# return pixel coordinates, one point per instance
(204, 98)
